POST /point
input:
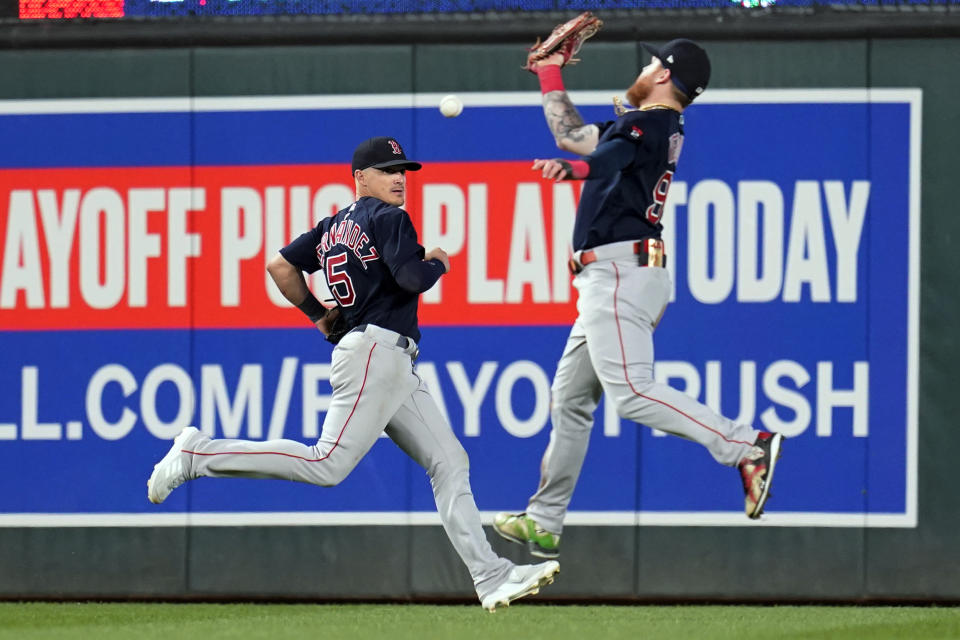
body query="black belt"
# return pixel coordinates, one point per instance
(402, 341)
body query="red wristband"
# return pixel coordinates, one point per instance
(580, 169)
(550, 78)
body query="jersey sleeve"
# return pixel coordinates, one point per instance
(630, 126)
(397, 239)
(610, 157)
(416, 276)
(603, 126)
(302, 252)
(634, 127)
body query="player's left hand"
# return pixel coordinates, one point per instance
(439, 254)
(554, 169)
(556, 59)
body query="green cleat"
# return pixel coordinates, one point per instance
(522, 529)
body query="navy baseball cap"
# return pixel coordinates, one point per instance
(688, 63)
(380, 153)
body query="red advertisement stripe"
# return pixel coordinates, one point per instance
(186, 247)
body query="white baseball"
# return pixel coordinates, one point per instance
(451, 106)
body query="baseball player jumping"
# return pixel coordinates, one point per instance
(376, 271)
(627, 165)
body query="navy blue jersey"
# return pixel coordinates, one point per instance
(373, 264)
(624, 200)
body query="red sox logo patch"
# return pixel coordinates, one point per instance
(396, 147)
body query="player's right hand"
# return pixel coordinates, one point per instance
(441, 255)
(551, 169)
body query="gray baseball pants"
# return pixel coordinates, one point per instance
(610, 350)
(375, 389)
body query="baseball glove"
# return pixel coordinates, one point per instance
(566, 38)
(336, 325)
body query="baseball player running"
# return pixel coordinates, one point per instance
(618, 263)
(376, 271)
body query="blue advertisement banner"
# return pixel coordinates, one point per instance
(133, 303)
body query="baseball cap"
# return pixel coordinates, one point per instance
(380, 153)
(688, 63)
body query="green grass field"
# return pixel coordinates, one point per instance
(526, 621)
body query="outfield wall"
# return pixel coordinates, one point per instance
(141, 192)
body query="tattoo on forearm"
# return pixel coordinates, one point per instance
(562, 117)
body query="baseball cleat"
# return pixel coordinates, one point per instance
(756, 470)
(523, 529)
(524, 580)
(170, 472)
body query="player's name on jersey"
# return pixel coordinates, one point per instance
(351, 235)
(105, 248)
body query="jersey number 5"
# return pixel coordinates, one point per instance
(341, 286)
(655, 210)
